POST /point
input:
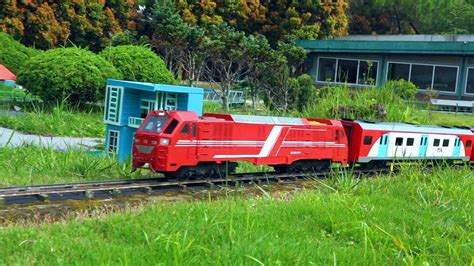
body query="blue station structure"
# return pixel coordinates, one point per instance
(443, 63)
(128, 102)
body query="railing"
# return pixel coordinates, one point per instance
(134, 122)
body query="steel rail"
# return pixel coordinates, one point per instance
(110, 188)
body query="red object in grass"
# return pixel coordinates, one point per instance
(6, 74)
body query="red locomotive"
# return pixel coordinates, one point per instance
(181, 144)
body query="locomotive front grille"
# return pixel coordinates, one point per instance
(145, 149)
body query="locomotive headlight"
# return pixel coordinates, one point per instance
(164, 141)
(154, 142)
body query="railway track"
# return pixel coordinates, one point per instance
(112, 188)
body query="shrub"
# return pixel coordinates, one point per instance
(138, 63)
(13, 54)
(404, 89)
(75, 74)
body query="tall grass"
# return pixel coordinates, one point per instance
(33, 165)
(60, 120)
(415, 218)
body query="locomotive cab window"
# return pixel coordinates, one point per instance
(398, 141)
(367, 140)
(169, 129)
(435, 142)
(185, 129)
(445, 142)
(154, 124)
(410, 141)
(194, 130)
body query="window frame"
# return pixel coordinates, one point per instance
(117, 138)
(467, 79)
(121, 91)
(412, 142)
(436, 144)
(432, 75)
(357, 73)
(149, 102)
(445, 143)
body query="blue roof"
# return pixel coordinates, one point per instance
(145, 86)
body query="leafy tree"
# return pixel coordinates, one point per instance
(48, 24)
(180, 44)
(14, 55)
(76, 75)
(138, 63)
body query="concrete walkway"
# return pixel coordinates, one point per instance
(13, 139)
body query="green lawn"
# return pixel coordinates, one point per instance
(33, 165)
(450, 119)
(57, 122)
(413, 218)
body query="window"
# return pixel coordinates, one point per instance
(113, 141)
(367, 140)
(435, 142)
(398, 71)
(470, 81)
(422, 76)
(146, 106)
(381, 140)
(347, 71)
(113, 104)
(440, 78)
(445, 142)
(171, 102)
(171, 126)
(468, 143)
(185, 129)
(398, 141)
(194, 129)
(445, 78)
(367, 72)
(351, 71)
(410, 141)
(327, 69)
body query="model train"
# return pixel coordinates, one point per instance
(184, 145)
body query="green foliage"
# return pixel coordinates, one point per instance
(305, 92)
(416, 217)
(33, 165)
(138, 63)
(411, 17)
(74, 74)
(59, 121)
(14, 55)
(404, 89)
(379, 104)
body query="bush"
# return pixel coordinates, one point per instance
(13, 54)
(404, 89)
(72, 74)
(138, 63)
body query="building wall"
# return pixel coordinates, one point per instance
(445, 69)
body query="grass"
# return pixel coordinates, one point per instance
(59, 121)
(451, 119)
(33, 165)
(414, 218)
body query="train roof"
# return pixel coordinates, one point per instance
(404, 127)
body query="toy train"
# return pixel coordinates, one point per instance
(181, 144)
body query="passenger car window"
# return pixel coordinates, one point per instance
(410, 141)
(436, 142)
(468, 143)
(367, 140)
(445, 142)
(398, 141)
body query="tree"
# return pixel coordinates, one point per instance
(76, 75)
(48, 24)
(230, 58)
(180, 44)
(138, 63)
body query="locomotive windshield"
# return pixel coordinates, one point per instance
(154, 124)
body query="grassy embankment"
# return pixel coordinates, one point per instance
(412, 218)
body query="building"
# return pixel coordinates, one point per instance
(6, 76)
(442, 63)
(127, 103)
